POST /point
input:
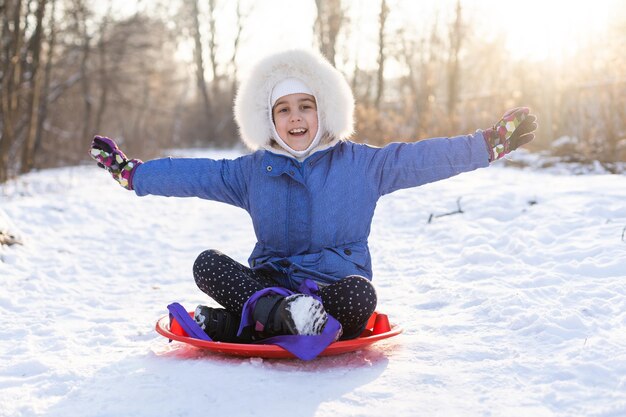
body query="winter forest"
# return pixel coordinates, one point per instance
(162, 74)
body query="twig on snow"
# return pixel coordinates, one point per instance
(459, 210)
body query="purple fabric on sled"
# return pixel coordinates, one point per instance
(303, 346)
(188, 324)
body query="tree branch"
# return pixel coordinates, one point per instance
(459, 210)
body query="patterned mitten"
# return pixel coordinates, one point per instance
(512, 131)
(110, 157)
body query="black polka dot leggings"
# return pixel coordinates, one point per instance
(351, 300)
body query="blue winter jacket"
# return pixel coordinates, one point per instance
(312, 218)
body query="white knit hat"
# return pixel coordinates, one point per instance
(288, 86)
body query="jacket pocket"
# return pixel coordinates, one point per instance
(342, 261)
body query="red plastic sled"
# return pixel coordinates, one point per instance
(378, 328)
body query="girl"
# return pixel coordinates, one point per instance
(311, 194)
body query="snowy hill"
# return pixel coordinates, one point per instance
(516, 307)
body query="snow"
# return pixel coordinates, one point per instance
(307, 313)
(516, 307)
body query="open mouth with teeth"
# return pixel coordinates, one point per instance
(298, 132)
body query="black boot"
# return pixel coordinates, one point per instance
(296, 314)
(220, 325)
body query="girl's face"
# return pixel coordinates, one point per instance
(295, 119)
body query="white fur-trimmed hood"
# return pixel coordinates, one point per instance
(335, 103)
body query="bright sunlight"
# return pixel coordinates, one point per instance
(553, 30)
(534, 29)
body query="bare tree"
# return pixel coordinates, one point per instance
(80, 14)
(418, 81)
(103, 72)
(328, 23)
(382, 22)
(43, 106)
(198, 59)
(240, 23)
(12, 40)
(34, 92)
(213, 49)
(453, 71)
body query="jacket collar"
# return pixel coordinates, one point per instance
(280, 160)
(325, 145)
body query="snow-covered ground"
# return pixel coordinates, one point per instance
(517, 307)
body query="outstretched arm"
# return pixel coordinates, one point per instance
(220, 180)
(404, 165)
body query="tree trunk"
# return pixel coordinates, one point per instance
(200, 81)
(43, 108)
(103, 76)
(330, 18)
(86, 88)
(28, 151)
(456, 35)
(144, 106)
(213, 50)
(382, 20)
(10, 83)
(233, 59)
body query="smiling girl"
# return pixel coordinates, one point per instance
(311, 194)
